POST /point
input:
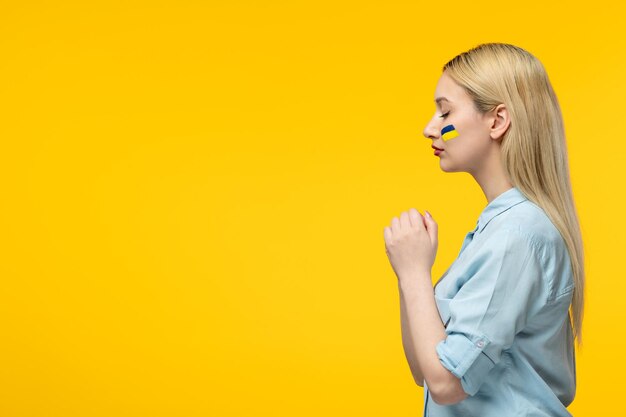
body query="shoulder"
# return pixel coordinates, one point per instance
(529, 222)
(527, 225)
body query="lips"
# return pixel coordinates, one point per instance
(434, 147)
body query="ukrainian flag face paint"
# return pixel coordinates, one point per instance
(448, 133)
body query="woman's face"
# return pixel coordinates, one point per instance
(472, 145)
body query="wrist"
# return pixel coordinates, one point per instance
(417, 278)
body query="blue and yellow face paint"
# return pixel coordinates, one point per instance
(448, 133)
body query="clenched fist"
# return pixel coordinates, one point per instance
(411, 243)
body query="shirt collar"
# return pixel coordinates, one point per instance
(501, 203)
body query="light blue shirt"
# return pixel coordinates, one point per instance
(504, 303)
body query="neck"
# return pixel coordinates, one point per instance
(492, 178)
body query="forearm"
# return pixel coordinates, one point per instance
(425, 330)
(407, 344)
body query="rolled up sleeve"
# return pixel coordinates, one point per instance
(504, 286)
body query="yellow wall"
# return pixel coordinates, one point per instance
(193, 197)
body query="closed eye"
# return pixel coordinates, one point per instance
(443, 116)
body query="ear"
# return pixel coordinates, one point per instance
(500, 122)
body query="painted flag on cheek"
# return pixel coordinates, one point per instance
(449, 132)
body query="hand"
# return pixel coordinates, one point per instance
(411, 243)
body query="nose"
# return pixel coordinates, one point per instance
(431, 131)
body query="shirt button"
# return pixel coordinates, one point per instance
(480, 343)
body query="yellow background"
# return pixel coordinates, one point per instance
(194, 193)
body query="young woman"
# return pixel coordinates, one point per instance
(494, 337)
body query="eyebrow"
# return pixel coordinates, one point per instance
(438, 99)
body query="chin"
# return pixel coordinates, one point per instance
(450, 168)
(445, 167)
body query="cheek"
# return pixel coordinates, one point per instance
(471, 149)
(463, 141)
(449, 131)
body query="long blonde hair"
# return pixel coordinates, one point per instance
(534, 151)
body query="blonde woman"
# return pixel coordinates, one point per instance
(495, 336)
